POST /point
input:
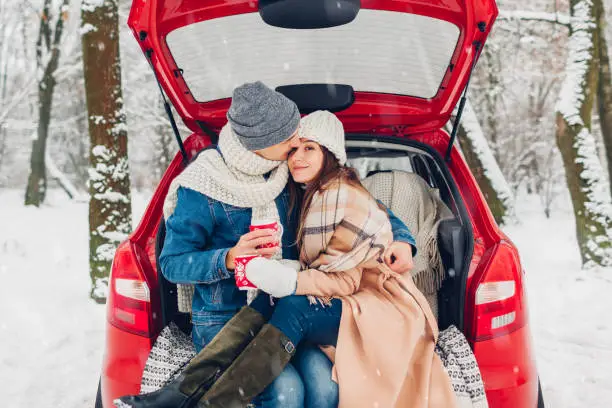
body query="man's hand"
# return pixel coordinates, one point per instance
(248, 244)
(398, 257)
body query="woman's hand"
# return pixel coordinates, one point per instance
(398, 257)
(272, 277)
(248, 244)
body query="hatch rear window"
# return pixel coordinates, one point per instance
(380, 51)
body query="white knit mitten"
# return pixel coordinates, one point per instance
(272, 277)
(291, 263)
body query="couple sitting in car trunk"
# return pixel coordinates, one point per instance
(345, 326)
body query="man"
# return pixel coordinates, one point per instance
(208, 211)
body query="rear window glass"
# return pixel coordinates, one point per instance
(368, 165)
(380, 51)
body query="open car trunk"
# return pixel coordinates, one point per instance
(370, 155)
(378, 63)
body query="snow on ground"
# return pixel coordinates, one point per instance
(51, 334)
(570, 310)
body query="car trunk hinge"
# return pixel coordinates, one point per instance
(214, 137)
(168, 109)
(477, 47)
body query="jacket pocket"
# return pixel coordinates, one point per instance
(211, 295)
(238, 219)
(217, 294)
(206, 325)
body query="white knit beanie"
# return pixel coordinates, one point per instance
(326, 129)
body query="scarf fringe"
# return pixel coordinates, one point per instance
(430, 280)
(323, 301)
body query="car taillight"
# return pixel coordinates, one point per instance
(497, 300)
(129, 301)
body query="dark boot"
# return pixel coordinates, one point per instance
(169, 396)
(252, 371)
(206, 367)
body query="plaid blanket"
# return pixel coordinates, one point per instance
(343, 229)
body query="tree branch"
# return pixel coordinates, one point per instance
(45, 23)
(59, 25)
(62, 180)
(525, 15)
(17, 98)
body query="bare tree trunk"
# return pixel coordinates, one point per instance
(3, 147)
(589, 192)
(164, 141)
(604, 88)
(37, 180)
(110, 214)
(3, 81)
(486, 171)
(47, 59)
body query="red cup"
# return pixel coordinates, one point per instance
(268, 224)
(240, 263)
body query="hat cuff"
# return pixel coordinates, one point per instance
(333, 150)
(275, 137)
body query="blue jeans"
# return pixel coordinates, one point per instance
(301, 321)
(287, 390)
(315, 370)
(305, 383)
(309, 325)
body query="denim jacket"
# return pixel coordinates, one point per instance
(200, 232)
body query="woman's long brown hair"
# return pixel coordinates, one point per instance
(330, 170)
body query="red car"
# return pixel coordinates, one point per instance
(393, 70)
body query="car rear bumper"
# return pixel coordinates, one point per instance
(124, 360)
(507, 365)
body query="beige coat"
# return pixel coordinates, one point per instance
(385, 352)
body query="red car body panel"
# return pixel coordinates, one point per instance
(506, 359)
(507, 365)
(125, 356)
(152, 20)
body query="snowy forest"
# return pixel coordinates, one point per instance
(84, 140)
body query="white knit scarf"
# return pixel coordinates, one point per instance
(234, 177)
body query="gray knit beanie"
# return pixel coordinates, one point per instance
(261, 117)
